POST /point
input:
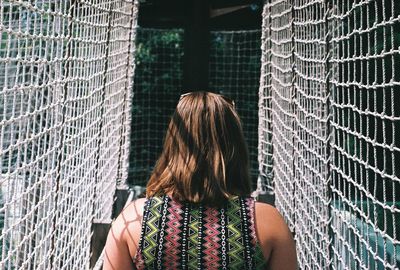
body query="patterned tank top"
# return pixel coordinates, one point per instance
(191, 236)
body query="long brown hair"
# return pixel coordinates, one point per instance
(205, 157)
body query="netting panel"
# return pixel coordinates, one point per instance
(31, 85)
(127, 116)
(114, 144)
(265, 164)
(366, 126)
(65, 68)
(277, 92)
(310, 131)
(334, 113)
(82, 119)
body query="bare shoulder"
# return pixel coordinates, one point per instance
(134, 210)
(129, 223)
(275, 237)
(267, 209)
(123, 237)
(270, 223)
(269, 216)
(132, 213)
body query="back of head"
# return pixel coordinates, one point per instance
(205, 157)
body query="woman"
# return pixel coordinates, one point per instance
(198, 213)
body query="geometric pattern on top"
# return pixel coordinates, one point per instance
(179, 235)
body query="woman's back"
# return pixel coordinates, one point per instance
(125, 250)
(204, 161)
(194, 236)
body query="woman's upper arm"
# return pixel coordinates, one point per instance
(283, 254)
(123, 237)
(116, 255)
(276, 237)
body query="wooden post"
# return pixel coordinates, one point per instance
(98, 241)
(196, 45)
(100, 228)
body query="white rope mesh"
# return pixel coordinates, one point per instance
(328, 122)
(65, 70)
(265, 177)
(276, 92)
(310, 136)
(366, 125)
(328, 117)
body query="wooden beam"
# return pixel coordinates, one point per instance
(121, 197)
(222, 11)
(196, 45)
(267, 198)
(98, 241)
(100, 228)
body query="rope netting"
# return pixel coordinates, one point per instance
(66, 70)
(329, 145)
(234, 70)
